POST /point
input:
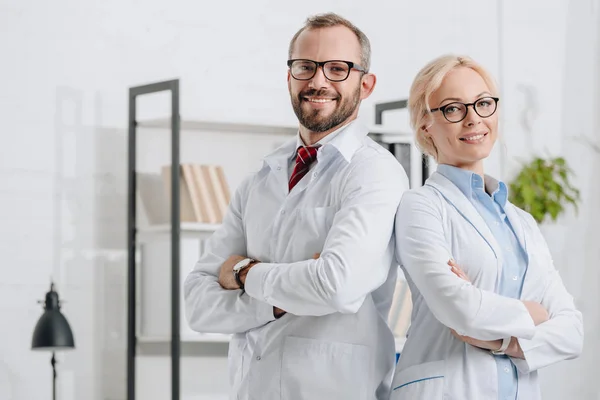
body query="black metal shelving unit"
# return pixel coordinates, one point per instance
(380, 108)
(135, 92)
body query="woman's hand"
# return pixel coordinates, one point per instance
(457, 271)
(482, 344)
(537, 312)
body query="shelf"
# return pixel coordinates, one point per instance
(184, 227)
(215, 126)
(222, 338)
(390, 135)
(386, 134)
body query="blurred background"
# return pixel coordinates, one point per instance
(66, 69)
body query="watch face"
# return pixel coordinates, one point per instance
(241, 264)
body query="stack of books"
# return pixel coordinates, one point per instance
(203, 192)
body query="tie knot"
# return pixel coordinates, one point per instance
(306, 155)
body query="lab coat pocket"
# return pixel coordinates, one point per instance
(420, 382)
(315, 223)
(319, 370)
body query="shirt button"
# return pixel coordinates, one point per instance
(515, 278)
(258, 358)
(278, 168)
(282, 212)
(315, 174)
(506, 370)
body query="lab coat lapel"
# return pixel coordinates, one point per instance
(455, 197)
(278, 162)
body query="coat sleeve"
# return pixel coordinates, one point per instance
(561, 337)
(357, 254)
(209, 308)
(423, 252)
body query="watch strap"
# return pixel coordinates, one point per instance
(236, 273)
(502, 349)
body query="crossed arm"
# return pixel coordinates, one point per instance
(537, 312)
(541, 334)
(337, 281)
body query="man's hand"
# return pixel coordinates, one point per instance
(226, 278)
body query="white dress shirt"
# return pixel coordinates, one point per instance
(334, 341)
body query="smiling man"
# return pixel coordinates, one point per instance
(302, 271)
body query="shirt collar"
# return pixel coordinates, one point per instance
(323, 141)
(469, 182)
(345, 140)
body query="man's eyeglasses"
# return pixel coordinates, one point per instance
(334, 70)
(457, 111)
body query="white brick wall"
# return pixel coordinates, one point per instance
(65, 70)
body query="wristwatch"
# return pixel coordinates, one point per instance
(502, 349)
(237, 268)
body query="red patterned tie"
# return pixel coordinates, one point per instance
(304, 158)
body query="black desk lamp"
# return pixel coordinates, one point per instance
(52, 332)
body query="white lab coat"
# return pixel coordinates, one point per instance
(434, 223)
(334, 342)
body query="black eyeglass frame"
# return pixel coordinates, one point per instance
(321, 64)
(442, 109)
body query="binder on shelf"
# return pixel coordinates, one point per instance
(188, 177)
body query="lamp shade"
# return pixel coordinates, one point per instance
(52, 330)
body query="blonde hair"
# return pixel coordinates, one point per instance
(427, 81)
(329, 20)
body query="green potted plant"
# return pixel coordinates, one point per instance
(543, 189)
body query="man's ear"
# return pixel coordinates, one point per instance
(367, 85)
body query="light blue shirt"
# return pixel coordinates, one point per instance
(491, 208)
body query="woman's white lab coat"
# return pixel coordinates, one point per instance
(435, 223)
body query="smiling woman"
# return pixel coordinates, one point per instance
(496, 309)
(453, 112)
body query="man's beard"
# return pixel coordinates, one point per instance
(313, 121)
